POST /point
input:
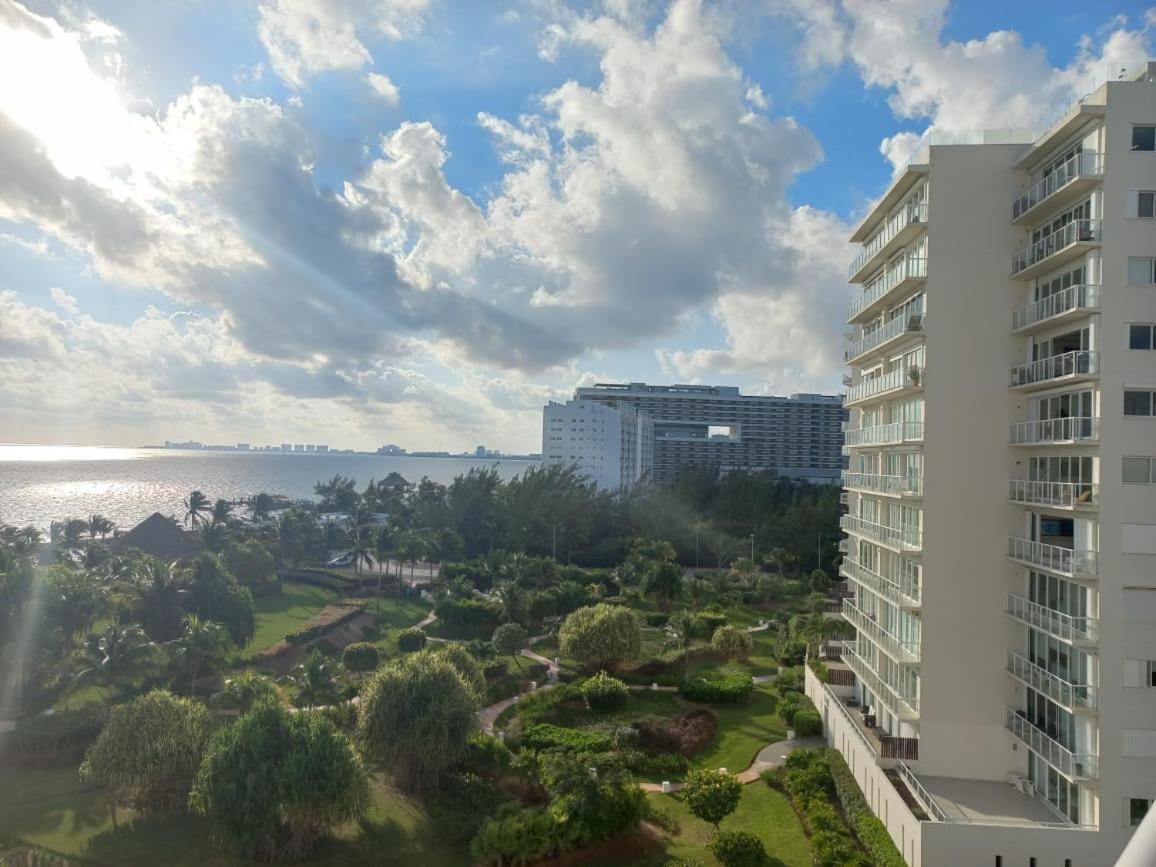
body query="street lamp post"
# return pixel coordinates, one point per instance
(752, 549)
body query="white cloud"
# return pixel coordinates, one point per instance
(383, 88)
(304, 37)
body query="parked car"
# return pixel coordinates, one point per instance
(340, 560)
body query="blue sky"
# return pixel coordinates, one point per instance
(226, 229)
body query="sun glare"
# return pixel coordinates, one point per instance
(15, 453)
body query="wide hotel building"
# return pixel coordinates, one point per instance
(998, 704)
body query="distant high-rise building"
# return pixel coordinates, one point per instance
(298, 447)
(716, 426)
(480, 451)
(611, 445)
(242, 447)
(286, 447)
(322, 449)
(391, 450)
(1002, 493)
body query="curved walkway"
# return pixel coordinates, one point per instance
(770, 756)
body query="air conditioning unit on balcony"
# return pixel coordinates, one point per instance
(915, 323)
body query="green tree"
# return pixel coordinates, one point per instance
(250, 563)
(99, 525)
(119, 656)
(601, 636)
(246, 690)
(75, 599)
(738, 849)
(200, 648)
(679, 633)
(274, 782)
(214, 594)
(415, 717)
(509, 639)
(316, 681)
(732, 642)
(154, 592)
(663, 581)
(222, 511)
(261, 505)
(466, 665)
(360, 657)
(711, 795)
(149, 749)
(511, 599)
(196, 507)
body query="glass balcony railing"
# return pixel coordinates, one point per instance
(1062, 495)
(908, 269)
(893, 537)
(1075, 232)
(1074, 696)
(907, 216)
(900, 325)
(901, 651)
(875, 483)
(1074, 630)
(1055, 430)
(901, 377)
(904, 597)
(1081, 362)
(1064, 561)
(1082, 297)
(894, 433)
(1080, 166)
(904, 707)
(1074, 766)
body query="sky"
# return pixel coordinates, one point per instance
(417, 221)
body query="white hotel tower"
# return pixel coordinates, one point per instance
(998, 705)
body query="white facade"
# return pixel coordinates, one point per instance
(613, 446)
(1002, 492)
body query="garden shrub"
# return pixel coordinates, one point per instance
(626, 737)
(808, 722)
(791, 652)
(604, 693)
(717, 688)
(789, 681)
(462, 804)
(789, 706)
(685, 734)
(871, 832)
(329, 618)
(63, 730)
(738, 849)
(360, 657)
(486, 752)
(707, 621)
(835, 850)
(657, 619)
(516, 837)
(731, 642)
(467, 614)
(545, 736)
(481, 648)
(655, 763)
(410, 640)
(819, 668)
(537, 705)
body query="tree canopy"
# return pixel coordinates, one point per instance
(602, 635)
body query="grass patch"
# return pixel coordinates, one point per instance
(761, 810)
(743, 730)
(281, 613)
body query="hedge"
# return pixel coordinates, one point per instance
(871, 832)
(329, 618)
(545, 736)
(718, 688)
(63, 730)
(604, 693)
(808, 722)
(409, 640)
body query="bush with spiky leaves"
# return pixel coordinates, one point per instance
(415, 718)
(731, 642)
(360, 657)
(150, 748)
(601, 636)
(466, 665)
(274, 782)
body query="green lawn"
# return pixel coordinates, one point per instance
(743, 730)
(53, 809)
(761, 810)
(279, 614)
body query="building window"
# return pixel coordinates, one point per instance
(1139, 471)
(1140, 336)
(1138, 403)
(1137, 810)
(1141, 271)
(1146, 204)
(1143, 137)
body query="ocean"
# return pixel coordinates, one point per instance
(41, 484)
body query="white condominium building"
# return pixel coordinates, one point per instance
(613, 446)
(998, 704)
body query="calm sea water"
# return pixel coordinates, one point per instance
(41, 484)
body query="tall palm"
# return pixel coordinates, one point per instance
(214, 536)
(511, 601)
(99, 525)
(261, 505)
(316, 681)
(156, 590)
(245, 690)
(196, 507)
(679, 630)
(222, 510)
(118, 655)
(201, 644)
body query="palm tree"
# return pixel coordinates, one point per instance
(222, 509)
(511, 601)
(214, 536)
(196, 507)
(678, 636)
(316, 681)
(695, 590)
(119, 654)
(202, 643)
(156, 590)
(261, 505)
(245, 690)
(99, 525)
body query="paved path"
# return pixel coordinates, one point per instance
(429, 618)
(770, 756)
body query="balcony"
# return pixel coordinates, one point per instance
(900, 651)
(888, 486)
(905, 275)
(1073, 696)
(896, 433)
(1052, 558)
(906, 708)
(1067, 304)
(1063, 245)
(1074, 766)
(898, 380)
(876, 583)
(890, 537)
(1066, 367)
(1063, 186)
(905, 226)
(885, 335)
(1073, 630)
(1077, 430)
(1059, 495)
